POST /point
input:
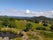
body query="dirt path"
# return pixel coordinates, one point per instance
(25, 37)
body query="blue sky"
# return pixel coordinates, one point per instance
(26, 8)
(36, 5)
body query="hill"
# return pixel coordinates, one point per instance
(36, 28)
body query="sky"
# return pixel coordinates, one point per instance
(26, 7)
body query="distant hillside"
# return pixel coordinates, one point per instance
(34, 17)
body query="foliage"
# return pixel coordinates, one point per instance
(51, 27)
(12, 25)
(45, 23)
(28, 27)
(48, 34)
(36, 21)
(5, 23)
(41, 28)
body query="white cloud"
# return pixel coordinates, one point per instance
(14, 12)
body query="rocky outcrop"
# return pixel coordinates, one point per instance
(7, 36)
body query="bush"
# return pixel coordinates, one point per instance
(48, 34)
(45, 24)
(5, 23)
(41, 28)
(36, 21)
(28, 27)
(51, 27)
(12, 25)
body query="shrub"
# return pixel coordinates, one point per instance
(51, 27)
(48, 34)
(28, 27)
(45, 24)
(36, 21)
(41, 28)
